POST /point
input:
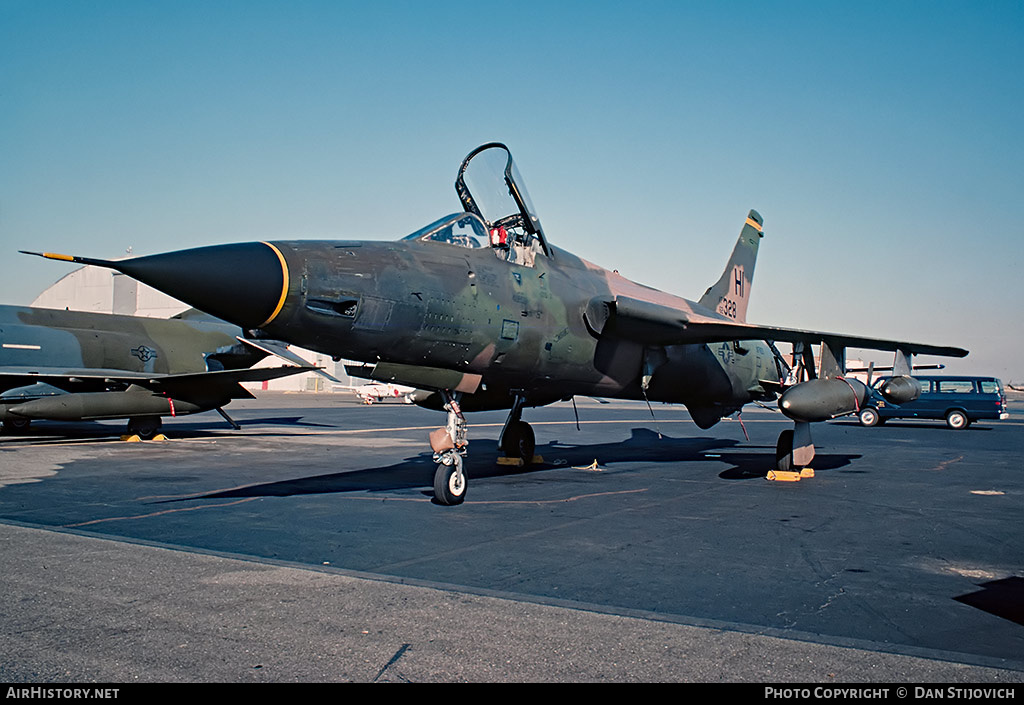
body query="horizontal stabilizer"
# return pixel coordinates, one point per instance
(888, 368)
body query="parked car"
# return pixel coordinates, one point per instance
(958, 400)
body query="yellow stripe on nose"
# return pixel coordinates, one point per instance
(284, 286)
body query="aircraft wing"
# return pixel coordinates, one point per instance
(281, 350)
(72, 380)
(182, 384)
(657, 324)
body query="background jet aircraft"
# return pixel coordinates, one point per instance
(381, 391)
(71, 365)
(479, 307)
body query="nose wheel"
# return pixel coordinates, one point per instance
(450, 445)
(449, 480)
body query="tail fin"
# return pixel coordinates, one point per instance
(731, 293)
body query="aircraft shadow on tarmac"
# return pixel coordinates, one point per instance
(91, 431)
(1002, 598)
(284, 421)
(47, 432)
(643, 446)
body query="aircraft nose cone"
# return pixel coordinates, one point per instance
(244, 283)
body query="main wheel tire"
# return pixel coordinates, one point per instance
(784, 452)
(869, 416)
(12, 425)
(519, 442)
(450, 483)
(145, 427)
(957, 420)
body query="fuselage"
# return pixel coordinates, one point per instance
(520, 327)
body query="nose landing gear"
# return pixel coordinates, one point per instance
(450, 446)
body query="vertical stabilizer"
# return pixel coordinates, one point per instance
(731, 293)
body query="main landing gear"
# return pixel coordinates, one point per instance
(517, 441)
(145, 427)
(794, 451)
(14, 425)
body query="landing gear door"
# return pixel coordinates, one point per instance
(489, 185)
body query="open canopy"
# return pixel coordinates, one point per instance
(489, 185)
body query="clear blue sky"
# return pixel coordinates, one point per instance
(881, 141)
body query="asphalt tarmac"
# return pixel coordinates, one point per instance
(306, 547)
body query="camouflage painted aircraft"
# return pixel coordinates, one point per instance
(481, 310)
(71, 366)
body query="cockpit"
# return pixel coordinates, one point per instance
(460, 229)
(498, 211)
(489, 186)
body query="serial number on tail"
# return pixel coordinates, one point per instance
(727, 307)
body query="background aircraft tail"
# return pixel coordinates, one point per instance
(730, 294)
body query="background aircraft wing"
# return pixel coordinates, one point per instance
(657, 324)
(72, 380)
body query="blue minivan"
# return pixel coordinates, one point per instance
(958, 400)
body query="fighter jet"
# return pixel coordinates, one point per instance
(72, 365)
(479, 309)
